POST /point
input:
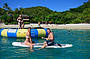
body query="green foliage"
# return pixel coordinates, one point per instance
(6, 23)
(80, 14)
(26, 22)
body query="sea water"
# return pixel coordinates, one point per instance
(80, 39)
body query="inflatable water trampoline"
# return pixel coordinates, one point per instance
(22, 32)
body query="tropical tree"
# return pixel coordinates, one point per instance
(21, 11)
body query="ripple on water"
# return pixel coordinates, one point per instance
(80, 39)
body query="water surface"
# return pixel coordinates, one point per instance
(80, 39)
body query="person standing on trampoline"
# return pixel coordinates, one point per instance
(20, 22)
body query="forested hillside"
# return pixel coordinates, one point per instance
(80, 14)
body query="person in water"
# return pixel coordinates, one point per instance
(49, 41)
(38, 24)
(28, 40)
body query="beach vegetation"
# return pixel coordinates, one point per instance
(80, 14)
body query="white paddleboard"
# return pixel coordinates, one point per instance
(21, 44)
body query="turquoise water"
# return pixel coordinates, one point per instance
(80, 39)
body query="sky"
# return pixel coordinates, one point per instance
(55, 5)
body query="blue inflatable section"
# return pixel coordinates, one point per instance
(12, 32)
(34, 33)
(46, 32)
(1, 31)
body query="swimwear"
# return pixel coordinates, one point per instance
(27, 36)
(28, 40)
(49, 42)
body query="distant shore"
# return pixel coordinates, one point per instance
(51, 26)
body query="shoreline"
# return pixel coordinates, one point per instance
(51, 26)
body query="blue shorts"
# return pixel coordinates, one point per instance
(50, 42)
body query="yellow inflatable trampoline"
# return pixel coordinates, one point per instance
(22, 32)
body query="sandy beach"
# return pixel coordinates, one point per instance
(51, 26)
